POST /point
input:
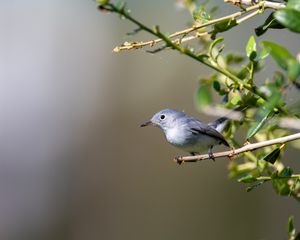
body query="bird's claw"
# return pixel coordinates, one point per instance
(178, 160)
(211, 156)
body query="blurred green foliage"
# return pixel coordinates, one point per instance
(293, 235)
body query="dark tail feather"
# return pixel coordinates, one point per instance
(219, 124)
(226, 143)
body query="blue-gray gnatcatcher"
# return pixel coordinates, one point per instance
(188, 133)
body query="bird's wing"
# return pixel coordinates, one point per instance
(197, 127)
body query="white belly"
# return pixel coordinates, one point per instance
(190, 142)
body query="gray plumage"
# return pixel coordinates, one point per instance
(188, 133)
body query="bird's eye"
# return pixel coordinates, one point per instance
(162, 117)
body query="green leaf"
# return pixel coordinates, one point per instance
(196, 13)
(200, 14)
(293, 69)
(263, 54)
(270, 22)
(284, 59)
(251, 48)
(272, 156)
(291, 229)
(223, 26)
(274, 174)
(202, 56)
(103, 2)
(278, 79)
(258, 125)
(281, 186)
(255, 185)
(265, 112)
(216, 85)
(247, 179)
(249, 100)
(293, 4)
(286, 172)
(289, 18)
(236, 100)
(203, 97)
(279, 53)
(280, 181)
(119, 4)
(239, 169)
(189, 4)
(213, 44)
(234, 58)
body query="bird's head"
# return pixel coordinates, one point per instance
(164, 119)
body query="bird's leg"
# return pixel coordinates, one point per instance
(210, 153)
(178, 160)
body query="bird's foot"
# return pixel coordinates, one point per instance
(232, 155)
(178, 160)
(210, 154)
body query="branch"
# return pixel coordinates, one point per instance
(175, 44)
(203, 59)
(234, 152)
(267, 4)
(234, 16)
(136, 45)
(268, 178)
(151, 43)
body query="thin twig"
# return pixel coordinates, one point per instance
(137, 45)
(267, 4)
(214, 21)
(210, 64)
(268, 178)
(175, 44)
(262, 4)
(250, 15)
(178, 41)
(234, 152)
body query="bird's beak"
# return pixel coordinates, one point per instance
(146, 124)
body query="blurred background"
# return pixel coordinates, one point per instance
(74, 163)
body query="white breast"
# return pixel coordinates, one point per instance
(175, 136)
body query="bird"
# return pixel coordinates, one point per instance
(188, 133)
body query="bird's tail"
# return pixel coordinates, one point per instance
(222, 122)
(219, 124)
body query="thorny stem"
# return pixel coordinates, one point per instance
(234, 152)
